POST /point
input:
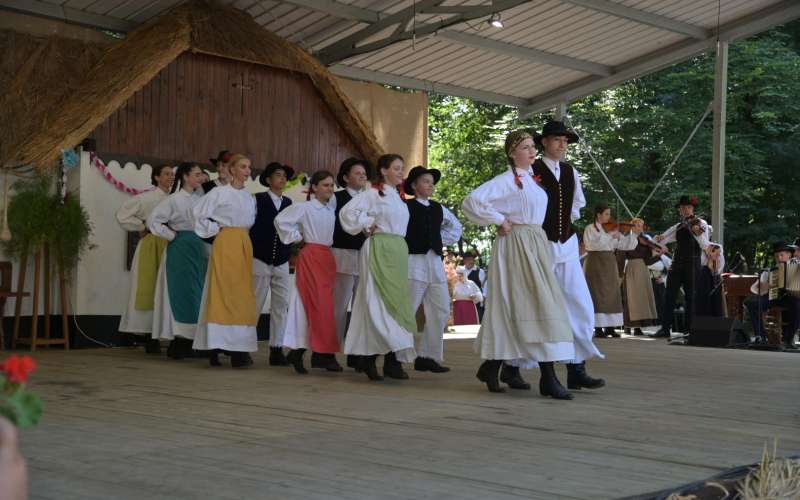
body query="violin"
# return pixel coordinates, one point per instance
(650, 243)
(612, 225)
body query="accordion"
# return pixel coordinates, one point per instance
(785, 280)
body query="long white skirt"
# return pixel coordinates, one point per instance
(240, 338)
(570, 277)
(372, 329)
(164, 324)
(134, 320)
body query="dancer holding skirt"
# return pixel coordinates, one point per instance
(228, 314)
(179, 287)
(466, 295)
(310, 322)
(526, 317)
(382, 318)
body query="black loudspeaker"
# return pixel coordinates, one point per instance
(713, 331)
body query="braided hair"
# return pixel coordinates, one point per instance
(184, 169)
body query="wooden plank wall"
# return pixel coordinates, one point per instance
(195, 107)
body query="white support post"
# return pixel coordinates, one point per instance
(718, 158)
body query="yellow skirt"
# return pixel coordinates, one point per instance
(151, 249)
(231, 298)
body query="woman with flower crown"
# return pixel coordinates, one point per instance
(526, 318)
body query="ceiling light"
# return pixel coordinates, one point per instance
(495, 20)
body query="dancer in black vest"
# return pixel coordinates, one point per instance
(431, 226)
(353, 176)
(565, 201)
(271, 256)
(692, 235)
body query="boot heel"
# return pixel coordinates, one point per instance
(487, 373)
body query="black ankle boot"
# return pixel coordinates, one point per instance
(609, 331)
(662, 333)
(213, 357)
(172, 349)
(487, 373)
(152, 346)
(549, 384)
(638, 332)
(325, 361)
(598, 332)
(429, 365)
(578, 378)
(510, 375)
(354, 362)
(240, 359)
(276, 357)
(367, 365)
(295, 358)
(393, 368)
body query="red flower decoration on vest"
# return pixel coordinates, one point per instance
(537, 179)
(17, 369)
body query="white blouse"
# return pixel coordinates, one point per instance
(174, 213)
(309, 221)
(500, 198)
(388, 213)
(596, 239)
(465, 290)
(132, 215)
(224, 206)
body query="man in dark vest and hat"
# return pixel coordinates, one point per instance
(692, 236)
(758, 304)
(565, 200)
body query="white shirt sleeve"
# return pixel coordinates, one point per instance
(451, 228)
(204, 224)
(131, 215)
(628, 241)
(159, 218)
(287, 223)
(477, 291)
(704, 238)
(578, 199)
(355, 214)
(669, 235)
(478, 206)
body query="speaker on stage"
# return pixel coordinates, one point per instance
(714, 331)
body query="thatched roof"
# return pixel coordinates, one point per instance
(60, 90)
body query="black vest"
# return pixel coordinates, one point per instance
(475, 277)
(558, 219)
(341, 238)
(267, 246)
(687, 251)
(424, 230)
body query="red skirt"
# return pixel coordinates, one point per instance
(465, 313)
(316, 275)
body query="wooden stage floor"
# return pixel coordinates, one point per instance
(122, 424)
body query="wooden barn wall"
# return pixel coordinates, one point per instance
(200, 104)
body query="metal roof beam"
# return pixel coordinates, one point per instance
(642, 17)
(349, 46)
(526, 53)
(67, 14)
(338, 9)
(428, 86)
(762, 20)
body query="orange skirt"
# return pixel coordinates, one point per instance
(316, 276)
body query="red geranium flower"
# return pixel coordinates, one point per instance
(537, 178)
(17, 368)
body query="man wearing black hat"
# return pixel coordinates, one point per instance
(758, 304)
(223, 176)
(692, 236)
(271, 256)
(431, 226)
(565, 201)
(476, 275)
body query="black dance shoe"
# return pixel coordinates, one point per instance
(295, 358)
(549, 384)
(354, 362)
(367, 365)
(609, 331)
(662, 333)
(638, 332)
(325, 362)
(240, 359)
(487, 374)
(276, 357)
(577, 377)
(429, 365)
(393, 368)
(599, 333)
(213, 357)
(510, 376)
(152, 346)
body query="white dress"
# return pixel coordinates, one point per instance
(596, 239)
(372, 329)
(347, 264)
(173, 214)
(224, 206)
(132, 216)
(311, 222)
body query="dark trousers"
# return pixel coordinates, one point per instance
(659, 290)
(680, 276)
(790, 315)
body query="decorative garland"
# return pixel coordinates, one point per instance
(97, 162)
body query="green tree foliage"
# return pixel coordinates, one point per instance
(637, 128)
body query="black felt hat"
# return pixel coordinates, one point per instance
(415, 173)
(344, 169)
(687, 200)
(555, 128)
(223, 156)
(782, 246)
(271, 169)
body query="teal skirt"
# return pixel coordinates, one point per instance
(187, 261)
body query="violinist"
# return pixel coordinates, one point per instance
(692, 236)
(637, 291)
(602, 275)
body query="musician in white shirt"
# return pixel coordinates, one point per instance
(760, 303)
